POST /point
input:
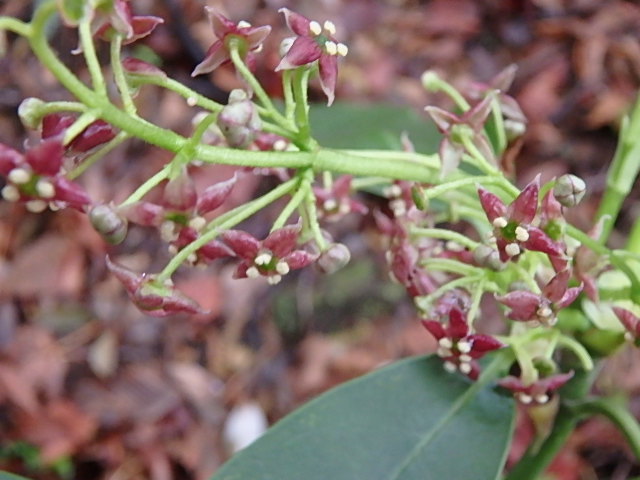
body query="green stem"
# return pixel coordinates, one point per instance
(300, 95)
(452, 266)
(438, 190)
(217, 225)
(498, 121)
(289, 102)
(296, 200)
(261, 95)
(478, 291)
(633, 242)
(54, 107)
(192, 97)
(90, 56)
(147, 186)
(119, 76)
(16, 26)
(443, 234)
(311, 214)
(577, 348)
(478, 158)
(86, 119)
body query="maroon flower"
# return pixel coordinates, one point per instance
(180, 216)
(97, 133)
(528, 306)
(514, 120)
(335, 202)
(538, 392)
(455, 128)
(631, 323)
(224, 29)
(152, 297)
(120, 19)
(512, 225)
(457, 346)
(272, 257)
(403, 259)
(36, 178)
(314, 42)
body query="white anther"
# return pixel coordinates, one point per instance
(392, 191)
(192, 101)
(629, 337)
(512, 249)
(465, 368)
(532, 323)
(331, 47)
(280, 145)
(342, 50)
(172, 249)
(524, 398)
(465, 358)
(329, 204)
(263, 259)
(344, 208)
(330, 27)
(445, 342)
(543, 398)
(10, 193)
(464, 346)
(197, 223)
(45, 188)
(544, 312)
(36, 206)
(450, 366)
(274, 279)
(500, 222)
(521, 234)
(252, 272)
(192, 258)
(168, 283)
(315, 28)
(19, 176)
(168, 231)
(398, 207)
(243, 24)
(444, 352)
(54, 206)
(282, 267)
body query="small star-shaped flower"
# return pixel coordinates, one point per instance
(512, 225)
(538, 392)
(314, 42)
(457, 346)
(527, 306)
(273, 257)
(224, 29)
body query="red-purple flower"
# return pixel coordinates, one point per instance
(512, 224)
(314, 42)
(455, 128)
(36, 178)
(335, 202)
(224, 29)
(538, 392)
(527, 306)
(457, 346)
(120, 19)
(96, 133)
(273, 257)
(150, 296)
(180, 216)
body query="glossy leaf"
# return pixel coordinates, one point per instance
(408, 421)
(10, 476)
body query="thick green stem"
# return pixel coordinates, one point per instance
(290, 207)
(192, 97)
(78, 126)
(16, 26)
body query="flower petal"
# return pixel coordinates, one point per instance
(328, 69)
(523, 304)
(215, 195)
(557, 286)
(524, 207)
(491, 204)
(303, 51)
(283, 240)
(216, 55)
(435, 328)
(46, 158)
(298, 24)
(242, 243)
(458, 326)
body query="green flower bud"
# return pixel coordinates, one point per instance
(569, 190)
(111, 226)
(30, 112)
(239, 120)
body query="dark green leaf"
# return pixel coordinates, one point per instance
(10, 476)
(408, 421)
(345, 125)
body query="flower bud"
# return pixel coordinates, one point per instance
(30, 112)
(239, 120)
(431, 81)
(569, 190)
(487, 257)
(111, 226)
(419, 198)
(333, 258)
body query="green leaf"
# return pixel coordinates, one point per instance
(411, 420)
(10, 476)
(346, 125)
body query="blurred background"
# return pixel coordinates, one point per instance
(92, 388)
